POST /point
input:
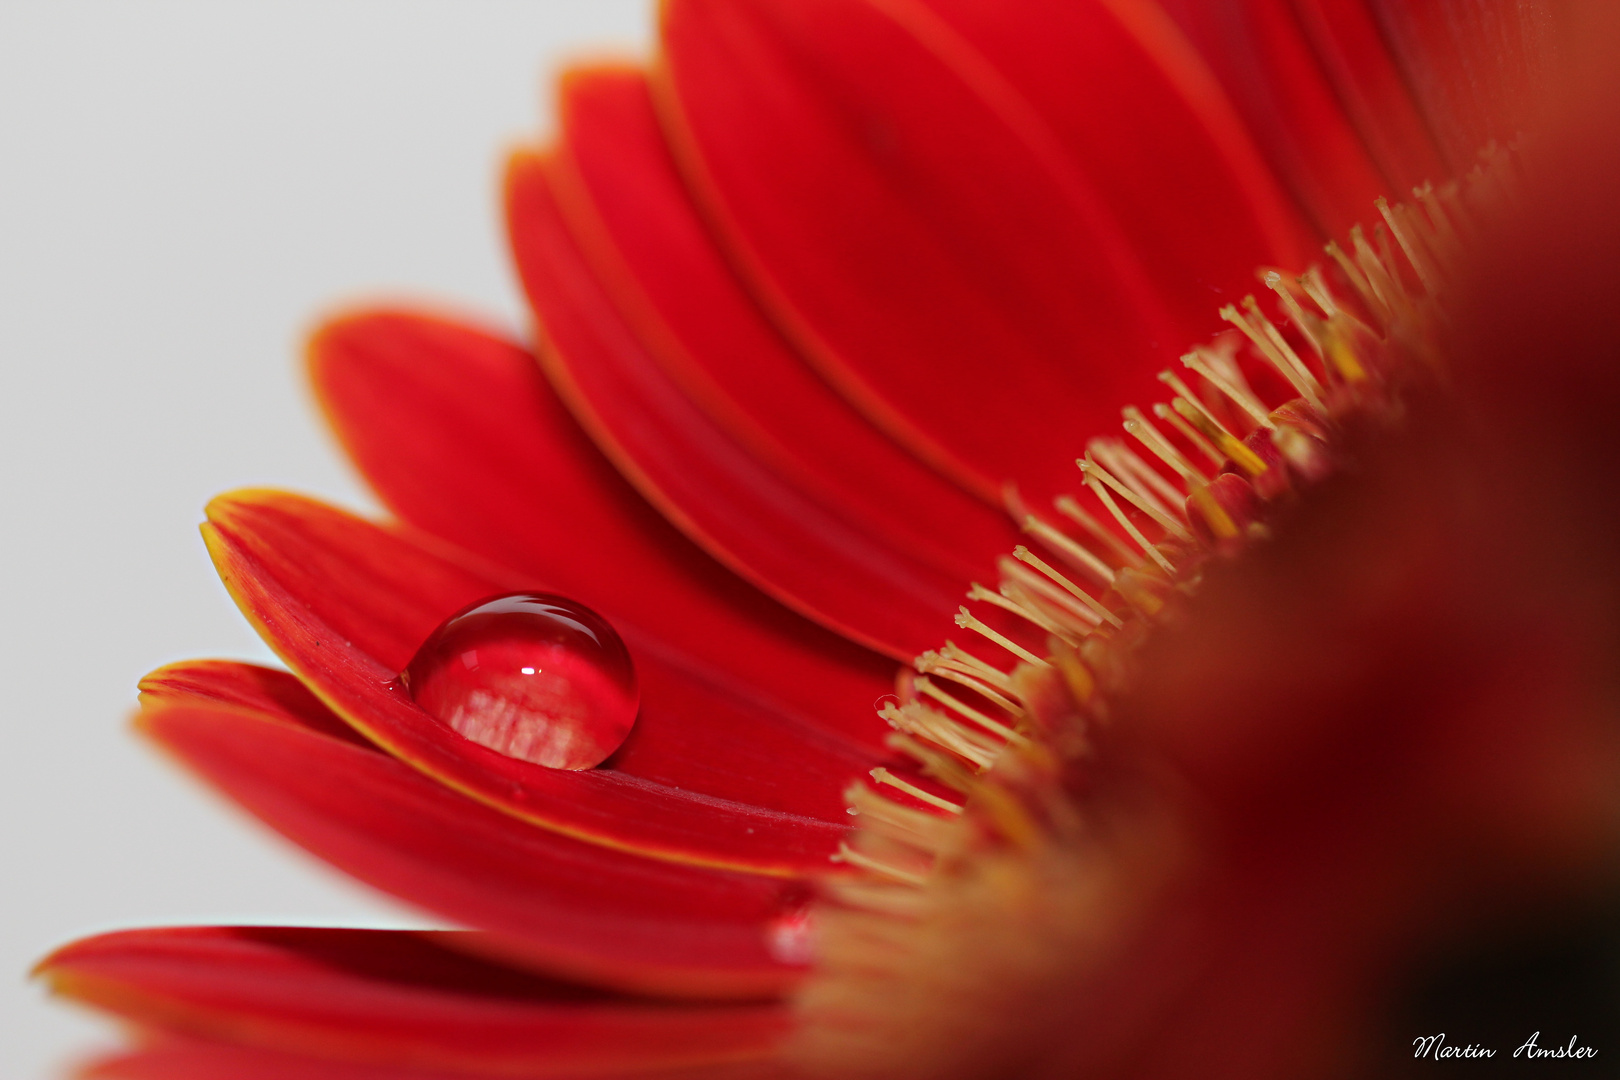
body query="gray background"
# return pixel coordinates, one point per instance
(183, 187)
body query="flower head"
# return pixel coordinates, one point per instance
(1304, 680)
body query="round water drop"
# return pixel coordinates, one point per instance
(533, 676)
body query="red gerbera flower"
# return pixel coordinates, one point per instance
(828, 299)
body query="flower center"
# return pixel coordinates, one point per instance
(985, 884)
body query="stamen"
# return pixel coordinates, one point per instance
(1152, 552)
(1240, 455)
(1170, 379)
(1142, 430)
(965, 661)
(1400, 224)
(1017, 576)
(847, 854)
(1090, 468)
(918, 827)
(1205, 447)
(915, 718)
(966, 620)
(1066, 545)
(1237, 397)
(1209, 508)
(1069, 508)
(932, 663)
(1136, 474)
(1031, 615)
(1307, 323)
(1024, 555)
(942, 767)
(884, 776)
(1282, 356)
(989, 723)
(1055, 607)
(1358, 281)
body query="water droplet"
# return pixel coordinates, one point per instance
(533, 676)
(791, 937)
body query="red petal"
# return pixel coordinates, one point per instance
(1351, 50)
(346, 603)
(584, 910)
(186, 1060)
(392, 997)
(636, 226)
(784, 541)
(1473, 69)
(1267, 67)
(929, 235)
(462, 437)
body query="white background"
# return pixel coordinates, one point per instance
(183, 187)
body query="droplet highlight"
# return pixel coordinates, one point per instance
(534, 676)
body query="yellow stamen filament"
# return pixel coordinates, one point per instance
(1008, 815)
(1090, 468)
(1022, 578)
(1282, 356)
(942, 767)
(1205, 447)
(1008, 603)
(1309, 325)
(1101, 492)
(933, 663)
(1256, 410)
(1358, 280)
(1059, 610)
(1141, 429)
(847, 854)
(1315, 286)
(1170, 379)
(1137, 474)
(882, 898)
(1069, 508)
(1024, 555)
(989, 723)
(956, 656)
(1402, 223)
(1065, 545)
(1241, 455)
(966, 620)
(915, 718)
(884, 776)
(1220, 522)
(911, 826)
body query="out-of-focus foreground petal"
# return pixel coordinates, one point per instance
(460, 435)
(955, 216)
(572, 907)
(394, 998)
(178, 1059)
(711, 775)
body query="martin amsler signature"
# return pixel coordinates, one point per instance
(1435, 1048)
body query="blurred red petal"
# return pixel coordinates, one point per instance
(740, 511)
(576, 908)
(915, 212)
(1351, 50)
(346, 603)
(636, 226)
(1269, 70)
(189, 1060)
(393, 997)
(461, 436)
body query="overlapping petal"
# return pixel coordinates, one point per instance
(563, 904)
(740, 511)
(460, 435)
(970, 251)
(379, 998)
(345, 603)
